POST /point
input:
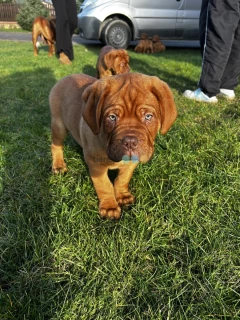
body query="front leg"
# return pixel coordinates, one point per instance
(122, 194)
(108, 206)
(59, 133)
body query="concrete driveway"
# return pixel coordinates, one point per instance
(27, 36)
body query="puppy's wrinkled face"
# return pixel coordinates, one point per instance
(130, 120)
(144, 36)
(130, 140)
(155, 38)
(127, 111)
(118, 61)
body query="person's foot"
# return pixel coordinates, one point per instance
(198, 95)
(227, 94)
(63, 58)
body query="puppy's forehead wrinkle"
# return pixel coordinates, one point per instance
(130, 90)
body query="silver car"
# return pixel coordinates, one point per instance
(117, 23)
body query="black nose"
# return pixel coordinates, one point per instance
(130, 142)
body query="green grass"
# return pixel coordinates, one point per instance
(173, 255)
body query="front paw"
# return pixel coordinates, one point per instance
(109, 209)
(125, 198)
(59, 167)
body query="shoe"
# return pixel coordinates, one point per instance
(227, 94)
(198, 95)
(63, 58)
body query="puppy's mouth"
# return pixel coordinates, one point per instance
(129, 149)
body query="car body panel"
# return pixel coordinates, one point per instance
(170, 19)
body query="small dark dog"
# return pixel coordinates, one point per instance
(145, 45)
(46, 28)
(157, 44)
(112, 61)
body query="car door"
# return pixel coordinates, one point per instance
(187, 26)
(156, 16)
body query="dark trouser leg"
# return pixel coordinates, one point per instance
(222, 22)
(72, 15)
(202, 24)
(231, 73)
(66, 14)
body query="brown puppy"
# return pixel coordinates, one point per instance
(157, 44)
(112, 61)
(47, 29)
(145, 45)
(115, 120)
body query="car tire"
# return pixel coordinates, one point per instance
(116, 33)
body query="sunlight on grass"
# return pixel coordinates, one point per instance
(174, 254)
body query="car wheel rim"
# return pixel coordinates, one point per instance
(118, 36)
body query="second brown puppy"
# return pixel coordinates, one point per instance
(158, 46)
(112, 61)
(46, 28)
(144, 45)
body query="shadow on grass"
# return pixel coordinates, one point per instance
(89, 70)
(31, 281)
(25, 203)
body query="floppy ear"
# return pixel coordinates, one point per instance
(124, 53)
(94, 96)
(167, 107)
(109, 59)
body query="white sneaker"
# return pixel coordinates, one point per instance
(198, 95)
(227, 94)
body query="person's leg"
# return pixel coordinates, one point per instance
(63, 33)
(202, 24)
(231, 73)
(71, 8)
(222, 21)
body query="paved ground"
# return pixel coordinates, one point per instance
(22, 36)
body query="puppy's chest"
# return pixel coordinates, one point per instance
(94, 144)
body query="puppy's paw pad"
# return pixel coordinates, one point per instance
(112, 213)
(125, 199)
(59, 168)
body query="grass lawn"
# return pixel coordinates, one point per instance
(175, 254)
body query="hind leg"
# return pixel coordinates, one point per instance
(59, 133)
(34, 40)
(51, 48)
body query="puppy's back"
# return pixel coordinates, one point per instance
(66, 95)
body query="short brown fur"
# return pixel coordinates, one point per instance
(157, 44)
(144, 45)
(115, 120)
(112, 61)
(47, 29)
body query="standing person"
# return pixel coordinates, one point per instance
(219, 26)
(66, 23)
